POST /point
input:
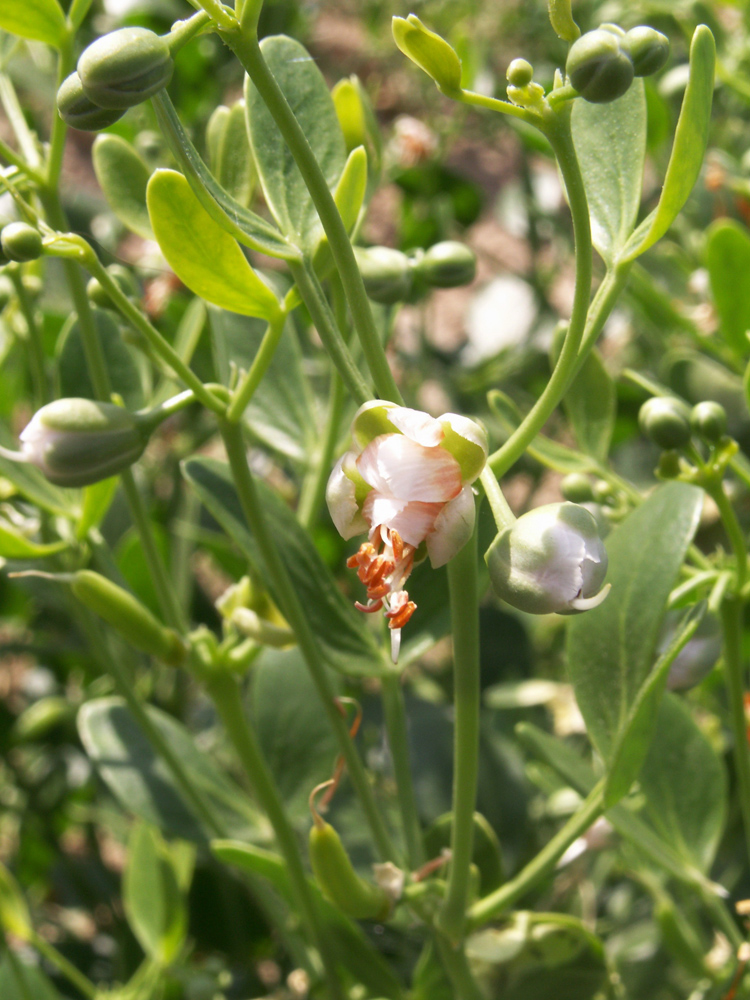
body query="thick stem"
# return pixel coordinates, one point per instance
(65, 65)
(733, 530)
(503, 515)
(227, 697)
(731, 621)
(464, 601)
(557, 130)
(455, 964)
(398, 743)
(504, 897)
(248, 51)
(292, 609)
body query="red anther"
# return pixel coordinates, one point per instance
(400, 616)
(353, 561)
(397, 544)
(375, 593)
(368, 608)
(381, 568)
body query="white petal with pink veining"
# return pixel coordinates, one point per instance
(416, 425)
(340, 497)
(396, 466)
(453, 528)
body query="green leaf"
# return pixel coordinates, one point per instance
(298, 743)
(30, 483)
(72, 371)
(246, 227)
(97, 500)
(611, 648)
(688, 150)
(610, 142)
(302, 83)
(579, 775)
(151, 897)
(143, 784)
(561, 19)
(281, 413)
(123, 177)
(350, 945)
(40, 20)
(202, 254)
(728, 263)
(14, 913)
(19, 981)
(685, 785)
(342, 635)
(16, 546)
(229, 152)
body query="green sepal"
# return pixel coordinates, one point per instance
(372, 421)
(469, 455)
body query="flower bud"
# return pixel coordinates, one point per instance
(648, 49)
(79, 111)
(76, 442)
(599, 67)
(125, 67)
(386, 274)
(709, 421)
(429, 51)
(447, 265)
(338, 880)
(665, 422)
(97, 294)
(577, 488)
(36, 721)
(125, 613)
(520, 73)
(21, 242)
(550, 560)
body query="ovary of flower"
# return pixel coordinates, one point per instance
(406, 482)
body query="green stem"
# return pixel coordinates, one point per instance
(505, 897)
(504, 516)
(9, 154)
(557, 130)
(248, 51)
(398, 742)
(455, 964)
(77, 979)
(603, 302)
(38, 361)
(464, 601)
(227, 697)
(218, 13)
(252, 378)
(313, 297)
(504, 107)
(184, 31)
(314, 488)
(17, 120)
(731, 621)
(59, 130)
(732, 528)
(292, 609)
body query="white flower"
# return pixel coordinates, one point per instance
(550, 560)
(407, 482)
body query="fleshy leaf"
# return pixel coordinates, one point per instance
(202, 254)
(123, 177)
(728, 263)
(39, 20)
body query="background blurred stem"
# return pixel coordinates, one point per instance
(396, 724)
(37, 360)
(731, 621)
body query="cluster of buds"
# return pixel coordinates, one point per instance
(116, 72)
(407, 483)
(602, 63)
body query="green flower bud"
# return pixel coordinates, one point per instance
(78, 111)
(665, 422)
(648, 49)
(125, 67)
(429, 51)
(599, 67)
(386, 273)
(447, 265)
(21, 242)
(79, 441)
(338, 880)
(40, 717)
(550, 560)
(577, 488)
(519, 73)
(125, 613)
(709, 421)
(100, 297)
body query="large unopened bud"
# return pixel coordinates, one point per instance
(79, 441)
(599, 66)
(79, 111)
(125, 67)
(550, 560)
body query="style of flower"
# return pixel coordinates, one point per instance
(407, 483)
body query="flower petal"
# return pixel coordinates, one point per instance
(412, 520)
(453, 528)
(396, 466)
(416, 425)
(342, 503)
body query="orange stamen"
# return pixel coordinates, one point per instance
(400, 616)
(368, 608)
